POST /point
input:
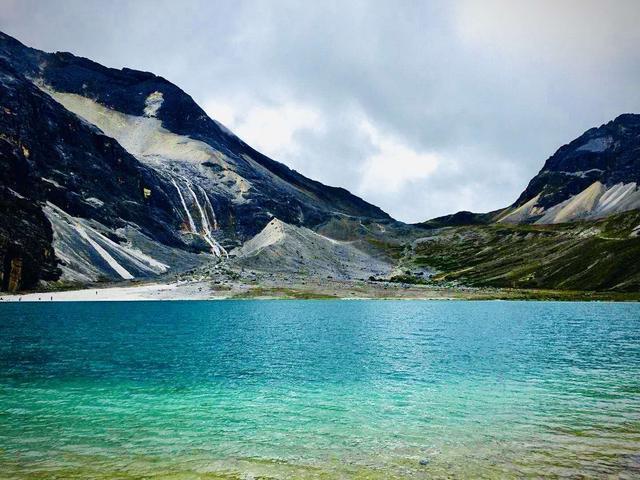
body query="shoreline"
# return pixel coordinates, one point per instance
(199, 290)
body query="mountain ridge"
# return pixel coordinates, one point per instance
(135, 156)
(595, 175)
(112, 175)
(179, 113)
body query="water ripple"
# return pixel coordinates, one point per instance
(320, 389)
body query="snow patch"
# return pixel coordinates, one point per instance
(16, 194)
(582, 174)
(95, 202)
(597, 145)
(52, 182)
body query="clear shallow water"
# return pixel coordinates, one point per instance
(319, 389)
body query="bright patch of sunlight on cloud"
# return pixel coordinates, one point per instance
(269, 129)
(394, 164)
(274, 130)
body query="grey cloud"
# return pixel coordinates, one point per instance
(492, 87)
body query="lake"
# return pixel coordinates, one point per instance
(319, 389)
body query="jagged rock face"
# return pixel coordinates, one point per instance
(593, 176)
(118, 160)
(69, 163)
(48, 154)
(270, 188)
(26, 254)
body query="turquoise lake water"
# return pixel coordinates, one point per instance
(319, 389)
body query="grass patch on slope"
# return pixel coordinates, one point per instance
(596, 256)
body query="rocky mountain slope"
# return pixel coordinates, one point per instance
(119, 174)
(594, 176)
(576, 226)
(285, 248)
(583, 255)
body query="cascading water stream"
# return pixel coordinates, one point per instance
(217, 249)
(206, 227)
(208, 204)
(192, 224)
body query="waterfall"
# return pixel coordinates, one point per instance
(192, 225)
(206, 228)
(208, 204)
(217, 249)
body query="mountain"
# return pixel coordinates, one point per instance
(595, 255)
(594, 176)
(119, 174)
(112, 175)
(53, 161)
(575, 227)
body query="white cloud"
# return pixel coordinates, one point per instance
(466, 99)
(270, 129)
(573, 33)
(276, 130)
(393, 165)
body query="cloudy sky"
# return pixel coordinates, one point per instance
(423, 108)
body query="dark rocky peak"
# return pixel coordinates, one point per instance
(125, 90)
(139, 93)
(609, 154)
(591, 177)
(123, 175)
